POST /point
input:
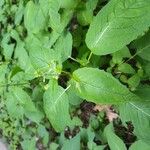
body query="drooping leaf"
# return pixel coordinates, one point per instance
(117, 24)
(99, 86)
(114, 142)
(56, 106)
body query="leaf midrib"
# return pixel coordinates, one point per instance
(104, 30)
(139, 109)
(106, 90)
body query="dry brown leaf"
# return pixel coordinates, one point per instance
(101, 107)
(109, 112)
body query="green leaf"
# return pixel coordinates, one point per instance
(101, 147)
(73, 98)
(43, 59)
(23, 58)
(85, 15)
(69, 4)
(143, 92)
(139, 145)
(44, 6)
(55, 18)
(19, 77)
(56, 106)
(115, 143)
(28, 144)
(126, 68)
(3, 71)
(19, 13)
(139, 114)
(21, 54)
(34, 18)
(87, 136)
(7, 48)
(65, 19)
(19, 103)
(117, 24)
(53, 146)
(99, 86)
(63, 46)
(119, 55)
(59, 20)
(37, 94)
(146, 68)
(77, 36)
(72, 144)
(143, 46)
(3, 81)
(1, 3)
(43, 133)
(134, 81)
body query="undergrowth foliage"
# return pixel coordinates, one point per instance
(61, 59)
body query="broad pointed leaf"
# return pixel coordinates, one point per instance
(56, 106)
(99, 86)
(117, 24)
